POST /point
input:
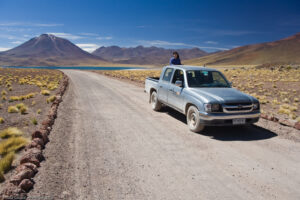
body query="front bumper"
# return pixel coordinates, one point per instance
(225, 119)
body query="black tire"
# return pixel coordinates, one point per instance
(156, 105)
(193, 119)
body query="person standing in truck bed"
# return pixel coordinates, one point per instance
(175, 60)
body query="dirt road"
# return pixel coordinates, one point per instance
(108, 144)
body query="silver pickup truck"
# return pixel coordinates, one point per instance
(204, 95)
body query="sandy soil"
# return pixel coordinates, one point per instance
(107, 143)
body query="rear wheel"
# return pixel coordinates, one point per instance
(156, 105)
(193, 119)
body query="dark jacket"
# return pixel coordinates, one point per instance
(174, 61)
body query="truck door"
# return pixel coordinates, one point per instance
(164, 85)
(175, 97)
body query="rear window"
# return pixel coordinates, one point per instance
(168, 74)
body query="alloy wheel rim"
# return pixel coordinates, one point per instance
(153, 99)
(193, 120)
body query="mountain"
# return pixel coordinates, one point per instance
(144, 55)
(47, 50)
(284, 51)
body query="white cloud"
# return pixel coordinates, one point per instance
(17, 42)
(88, 46)
(211, 42)
(104, 38)
(4, 48)
(10, 37)
(89, 34)
(160, 43)
(47, 25)
(179, 44)
(30, 24)
(233, 32)
(67, 35)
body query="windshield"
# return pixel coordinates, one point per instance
(202, 78)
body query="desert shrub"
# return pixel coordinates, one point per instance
(3, 93)
(20, 105)
(33, 103)
(12, 144)
(10, 132)
(39, 111)
(5, 164)
(1, 120)
(6, 161)
(51, 99)
(2, 179)
(1, 105)
(34, 121)
(14, 98)
(52, 86)
(23, 110)
(12, 109)
(30, 95)
(4, 98)
(45, 92)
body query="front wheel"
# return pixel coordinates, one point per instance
(156, 105)
(193, 119)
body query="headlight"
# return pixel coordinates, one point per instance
(255, 106)
(211, 107)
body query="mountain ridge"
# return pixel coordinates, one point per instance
(144, 55)
(47, 50)
(283, 51)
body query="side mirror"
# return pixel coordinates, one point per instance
(230, 83)
(179, 83)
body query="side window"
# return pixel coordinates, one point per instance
(178, 76)
(168, 74)
(217, 78)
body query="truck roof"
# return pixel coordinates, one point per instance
(190, 67)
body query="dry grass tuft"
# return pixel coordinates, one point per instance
(12, 109)
(10, 132)
(23, 110)
(51, 99)
(45, 92)
(34, 121)
(5, 164)
(12, 144)
(1, 120)
(3, 93)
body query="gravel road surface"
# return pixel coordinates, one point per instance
(107, 143)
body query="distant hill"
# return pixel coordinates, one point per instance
(47, 50)
(145, 55)
(284, 51)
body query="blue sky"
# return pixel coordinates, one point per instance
(209, 24)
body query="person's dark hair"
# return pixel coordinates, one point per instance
(175, 52)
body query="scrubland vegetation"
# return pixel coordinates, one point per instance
(12, 141)
(278, 90)
(25, 94)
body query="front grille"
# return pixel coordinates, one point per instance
(237, 107)
(236, 104)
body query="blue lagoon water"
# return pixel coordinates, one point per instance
(76, 67)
